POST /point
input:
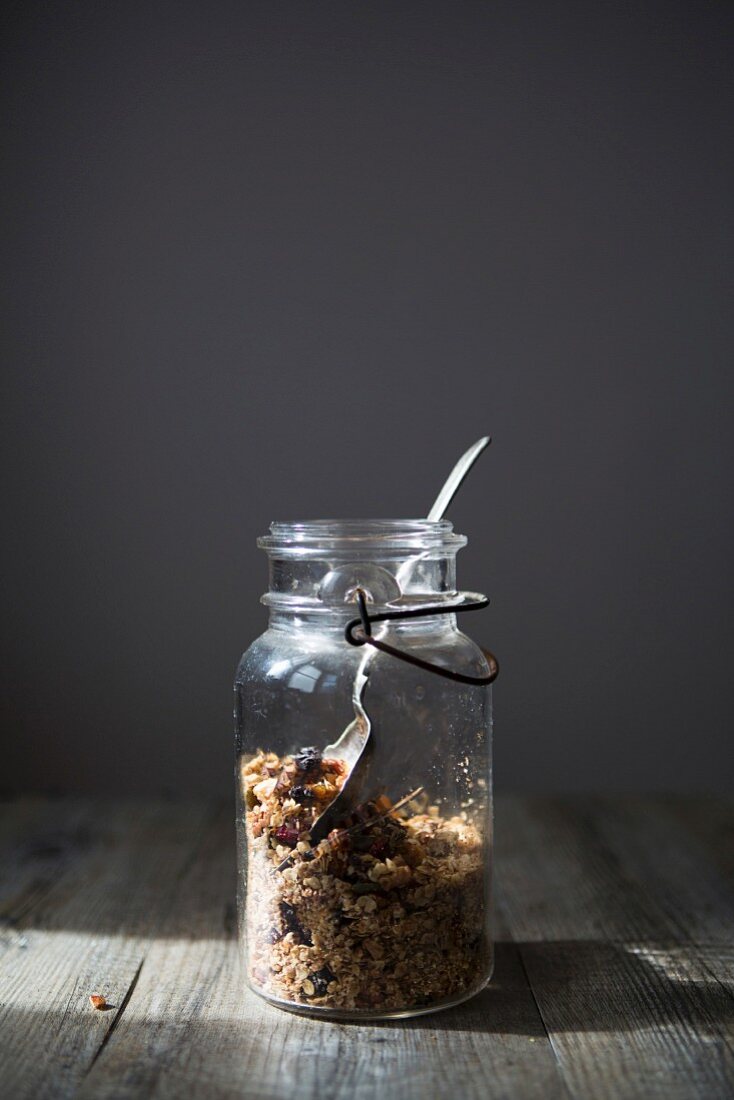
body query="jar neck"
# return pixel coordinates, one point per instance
(317, 567)
(288, 619)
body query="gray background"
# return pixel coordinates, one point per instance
(287, 260)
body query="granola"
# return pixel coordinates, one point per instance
(387, 914)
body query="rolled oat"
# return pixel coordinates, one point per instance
(386, 914)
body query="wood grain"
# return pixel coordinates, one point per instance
(613, 974)
(192, 1027)
(630, 1001)
(85, 932)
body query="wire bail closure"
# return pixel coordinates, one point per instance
(472, 601)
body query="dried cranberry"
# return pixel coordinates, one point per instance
(321, 979)
(286, 835)
(380, 847)
(308, 759)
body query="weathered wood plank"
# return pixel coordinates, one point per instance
(560, 882)
(661, 853)
(88, 932)
(17, 815)
(40, 839)
(191, 1028)
(618, 910)
(592, 937)
(711, 821)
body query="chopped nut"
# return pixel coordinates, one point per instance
(265, 789)
(97, 1000)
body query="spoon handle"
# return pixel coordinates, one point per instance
(455, 478)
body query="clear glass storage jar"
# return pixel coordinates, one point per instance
(388, 914)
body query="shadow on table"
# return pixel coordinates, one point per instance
(577, 985)
(591, 985)
(66, 874)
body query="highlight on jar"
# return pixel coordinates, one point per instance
(364, 772)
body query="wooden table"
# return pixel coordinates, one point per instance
(615, 961)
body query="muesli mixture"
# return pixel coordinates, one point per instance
(386, 913)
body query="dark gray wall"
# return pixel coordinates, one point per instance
(287, 260)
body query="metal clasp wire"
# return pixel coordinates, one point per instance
(472, 601)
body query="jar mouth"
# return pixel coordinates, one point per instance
(303, 537)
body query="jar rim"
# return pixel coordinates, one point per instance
(308, 536)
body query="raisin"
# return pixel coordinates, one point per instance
(286, 835)
(308, 759)
(362, 842)
(302, 794)
(273, 936)
(380, 847)
(321, 979)
(292, 924)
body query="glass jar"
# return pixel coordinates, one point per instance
(386, 915)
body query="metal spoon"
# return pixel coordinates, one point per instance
(455, 478)
(352, 746)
